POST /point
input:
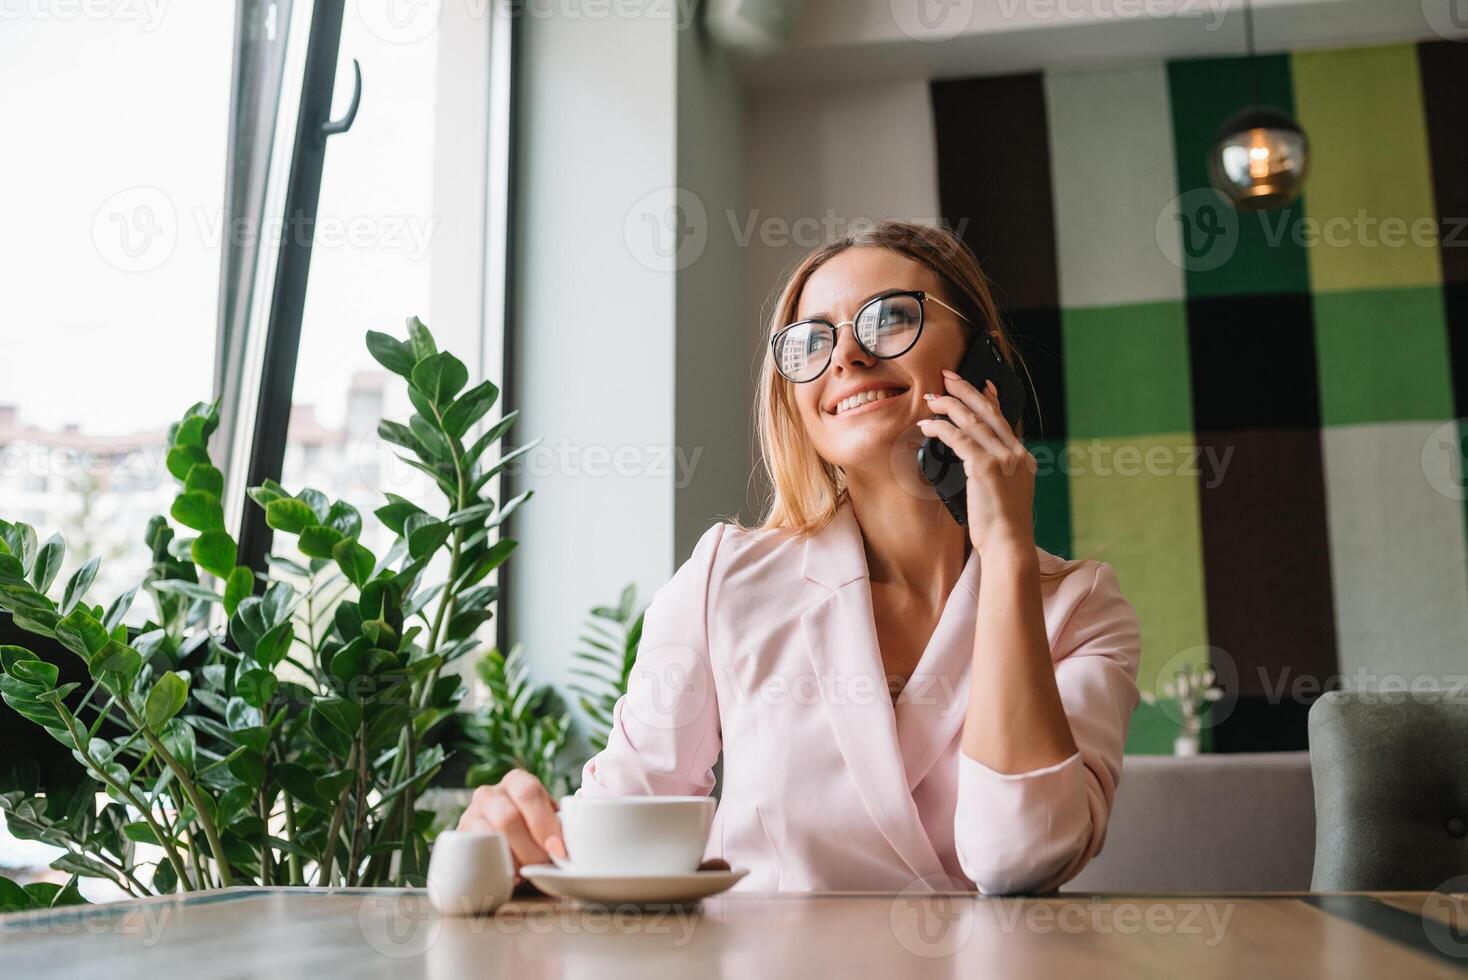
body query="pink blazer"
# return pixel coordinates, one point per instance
(763, 647)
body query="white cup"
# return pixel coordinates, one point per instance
(470, 872)
(636, 835)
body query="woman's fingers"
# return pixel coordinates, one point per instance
(969, 424)
(495, 808)
(984, 403)
(538, 810)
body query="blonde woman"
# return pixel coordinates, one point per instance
(897, 698)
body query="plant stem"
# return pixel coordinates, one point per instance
(324, 875)
(126, 792)
(359, 815)
(293, 860)
(211, 833)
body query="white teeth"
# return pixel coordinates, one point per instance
(862, 397)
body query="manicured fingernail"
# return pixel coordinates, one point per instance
(923, 422)
(555, 847)
(929, 395)
(949, 374)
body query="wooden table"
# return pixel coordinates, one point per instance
(321, 934)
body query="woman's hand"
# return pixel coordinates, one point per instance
(518, 807)
(1000, 470)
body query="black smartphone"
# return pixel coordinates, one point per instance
(942, 466)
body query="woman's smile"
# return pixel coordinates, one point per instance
(864, 398)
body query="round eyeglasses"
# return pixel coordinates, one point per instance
(886, 326)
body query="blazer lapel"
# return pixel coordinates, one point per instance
(933, 705)
(841, 638)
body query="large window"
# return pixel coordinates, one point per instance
(112, 178)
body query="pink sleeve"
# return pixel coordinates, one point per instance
(665, 735)
(1034, 831)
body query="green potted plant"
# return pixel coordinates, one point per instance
(263, 729)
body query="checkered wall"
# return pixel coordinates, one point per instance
(1252, 417)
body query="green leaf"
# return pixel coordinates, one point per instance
(240, 585)
(345, 716)
(317, 541)
(271, 648)
(165, 878)
(140, 832)
(14, 898)
(345, 518)
(34, 671)
(190, 432)
(395, 513)
(289, 515)
(215, 551)
(439, 378)
(391, 353)
(205, 479)
(491, 436)
(257, 687)
(181, 459)
(248, 767)
(470, 408)
(11, 656)
(118, 609)
(48, 563)
(81, 634)
(178, 737)
(470, 515)
(266, 492)
(420, 340)
(199, 510)
(170, 693)
(425, 535)
(355, 560)
(317, 501)
(492, 559)
(332, 785)
(299, 782)
(77, 586)
(117, 658)
(183, 587)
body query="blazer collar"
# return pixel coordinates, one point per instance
(888, 752)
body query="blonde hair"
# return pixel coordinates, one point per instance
(808, 490)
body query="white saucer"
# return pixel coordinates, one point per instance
(614, 889)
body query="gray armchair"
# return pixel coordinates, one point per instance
(1391, 790)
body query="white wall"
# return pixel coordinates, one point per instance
(593, 348)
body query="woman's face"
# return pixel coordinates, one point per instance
(872, 435)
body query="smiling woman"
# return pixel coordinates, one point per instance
(899, 699)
